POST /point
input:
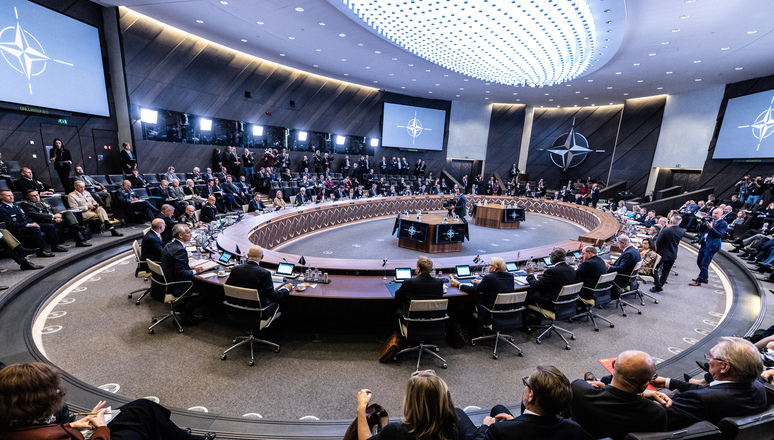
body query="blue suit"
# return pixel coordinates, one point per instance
(624, 265)
(710, 242)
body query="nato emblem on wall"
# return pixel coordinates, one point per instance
(569, 150)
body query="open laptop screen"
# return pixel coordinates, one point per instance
(511, 267)
(225, 257)
(285, 269)
(463, 271)
(402, 273)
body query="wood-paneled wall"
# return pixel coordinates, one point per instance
(724, 173)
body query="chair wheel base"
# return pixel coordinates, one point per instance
(472, 344)
(137, 303)
(154, 320)
(572, 337)
(150, 332)
(251, 363)
(130, 296)
(444, 366)
(566, 347)
(494, 356)
(277, 350)
(639, 313)
(596, 329)
(223, 357)
(180, 330)
(612, 325)
(537, 341)
(521, 354)
(655, 302)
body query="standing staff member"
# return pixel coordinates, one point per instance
(62, 160)
(710, 243)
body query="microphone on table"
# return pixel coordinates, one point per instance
(384, 264)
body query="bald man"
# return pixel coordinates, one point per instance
(252, 276)
(152, 244)
(624, 405)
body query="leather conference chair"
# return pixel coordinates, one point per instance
(142, 271)
(116, 179)
(629, 287)
(644, 279)
(754, 427)
(506, 315)
(698, 431)
(602, 297)
(564, 310)
(424, 321)
(246, 310)
(160, 281)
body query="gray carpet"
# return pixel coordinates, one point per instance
(104, 340)
(372, 239)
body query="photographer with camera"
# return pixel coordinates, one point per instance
(456, 205)
(710, 243)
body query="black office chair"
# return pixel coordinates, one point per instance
(755, 427)
(629, 286)
(160, 281)
(142, 271)
(116, 179)
(506, 315)
(602, 297)
(564, 310)
(424, 321)
(246, 310)
(698, 431)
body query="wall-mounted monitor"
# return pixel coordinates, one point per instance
(50, 61)
(747, 128)
(410, 127)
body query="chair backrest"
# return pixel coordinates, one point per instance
(116, 179)
(56, 202)
(141, 193)
(136, 249)
(156, 269)
(242, 296)
(698, 431)
(427, 308)
(757, 426)
(425, 319)
(507, 311)
(603, 289)
(509, 301)
(564, 305)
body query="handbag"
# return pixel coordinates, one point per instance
(377, 419)
(390, 348)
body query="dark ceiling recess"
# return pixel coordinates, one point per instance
(248, 95)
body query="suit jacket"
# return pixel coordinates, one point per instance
(209, 213)
(13, 216)
(255, 206)
(176, 192)
(24, 185)
(169, 223)
(668, 241)
(492, 284)
(531, 426)
(610, 412)
(461, 207)
(547, 288)
(39, 211)
(713, 237)
(174, 263)
(589, 271)
(624, 265)
(137, 182)
(422, 286)
(712, 403)
(151, 249)
(252, 276)
(302, 198)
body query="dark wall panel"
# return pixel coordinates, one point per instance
(723, 174)
(506, 126)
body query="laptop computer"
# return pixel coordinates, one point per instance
(402, 274)
(547, 260)
(463, 272)
(286, 270)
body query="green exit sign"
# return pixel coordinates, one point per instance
(62, 121)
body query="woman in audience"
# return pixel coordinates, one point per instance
(428, 412)
(648, 254)
(31, 393)
(322, 195)
(190, 190)
(279, 202)
(621, 212)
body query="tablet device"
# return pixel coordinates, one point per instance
(547, 260)
(402, 274)
(463, 272)
(511, 267)
(224, 258)
(286, 270)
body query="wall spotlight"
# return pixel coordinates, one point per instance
(374, 142)
(340, 140)
(302, 135)
(257, 130)
(149, 116)
(205, 124)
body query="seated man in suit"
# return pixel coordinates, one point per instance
(164, 192)
(137, 180)
(544, 291)
(29, 232)
(229, 187)
(93, 187)
(735, 365)
(302, 197)
(174, 263)
(422, 286)
(625, 404)
(90, 209)
(589, 270)
(485, 291)
(256, 205)
(625, 264)
(252, 276)
(133, 203)
(547, 393)
(41, 212)
(27, 182)
(209, 212)
(166, 214)
(152, 244)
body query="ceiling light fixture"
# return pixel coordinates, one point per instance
(533, 43)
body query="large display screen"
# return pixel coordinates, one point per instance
(411, 230)
(420, 128)
(50, 60)
(747, 126)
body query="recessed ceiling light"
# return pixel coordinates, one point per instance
(752, 32)
(696, 61)
(725, 48)
(591, 80)
(550, 99)
(360, 44)
(611, 103)
(697, 79)
(466, 80)
(618, 73)
(368, 67)
(669, 73)
(664, 43)
(660, 88)
(395, 59)
(514, 93)
(652, 54)
(577, 92)
(315, 65)
(675, 30)
(518, 99)
(377, 51)
(299, 9)
(585, 97)
(626, 94)
(291, 38)
(683, 17)
(609, 88)
(392, 74)
(636, 64)
(446, 76)
(200, 21)
(413, 79)
(322, 23)
(342, 35)
(639, 80)
(346, 74)
(402, 87)
(258, 22)
(282, 54)
(546, 94)
(411, 65)
(457, 96)
(318, 50)
(428, 70)
(738, 68)
(223, 2)
(437, 85)
(343, 59)
(243, 40)
(376, 82)
(690, 1)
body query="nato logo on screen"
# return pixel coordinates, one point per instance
(50, 60)
(748, 124)
(405, 126)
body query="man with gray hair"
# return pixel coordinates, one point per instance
(174, 264)
(667, 243)
(625, 264)
(485, 290)
(735, 365)
(252, 276)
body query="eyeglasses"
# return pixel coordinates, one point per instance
(524, 379)
(709, 357)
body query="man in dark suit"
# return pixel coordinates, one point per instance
(41, 212)
(667, 243)
(544, 291)
(546, 393)
(625, 263)
(422, 286)
(594, 195)
(302, 198)
(152, 244)
(256, 205)
(209, 212)
(27, 182)
(624, 404)
(133, 203)
(137, 180)
(735, 365)
(29, 232)
(174, 263)
(167, 214)
(485, 291)
(589, 271)
(252, 276)
(710, 243)
(460, 208)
